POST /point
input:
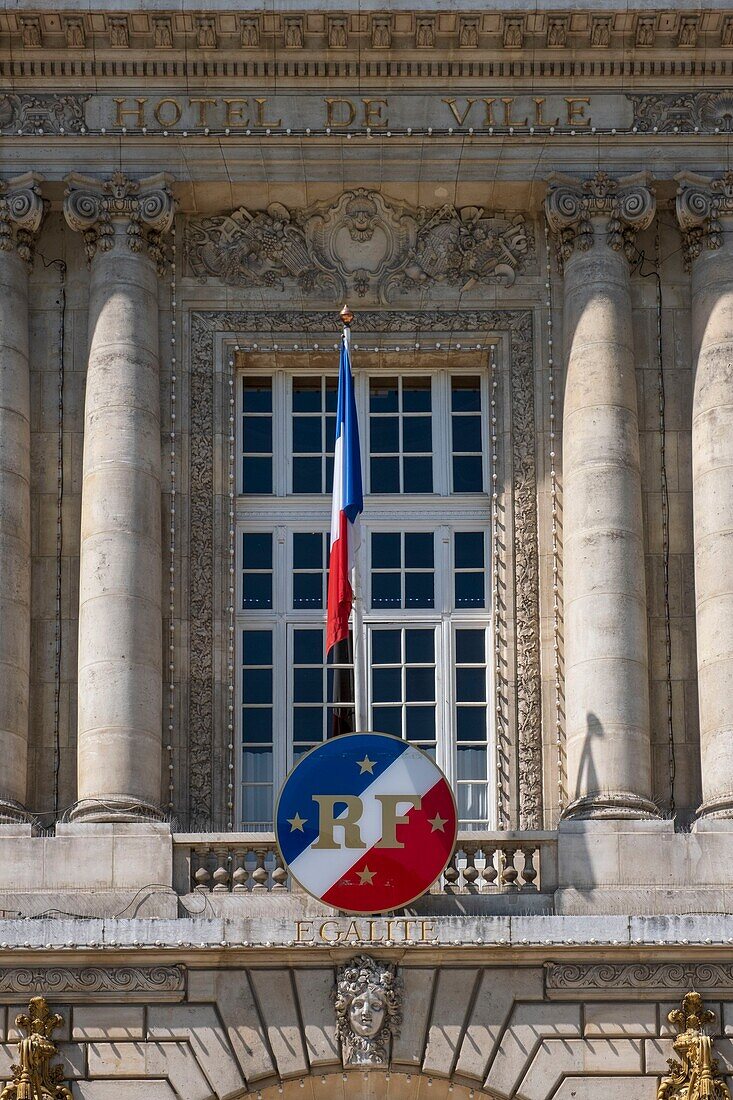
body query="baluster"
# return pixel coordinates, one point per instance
(510, 872)
(279, 874)
(202, 875)
(529, 873)
(240, 873)
(452, 874)
(260, 875)
(490, 872)
(470, 871)
(221, 874)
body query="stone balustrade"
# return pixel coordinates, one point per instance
(482, 863)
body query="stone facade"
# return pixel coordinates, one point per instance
(540, 198)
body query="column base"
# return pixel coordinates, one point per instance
(610, 805)
(721, 807)
(13, 813)
(115, 808)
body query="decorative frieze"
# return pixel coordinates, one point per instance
(48, 114)
(147, 205)
(21, 214)
(626, 204)
(572, 981)
(683, 113)
(362, 245)
(72, 985)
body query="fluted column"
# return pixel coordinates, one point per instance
(605, 628)
(705, 212)
(120, 624)
(21, 213)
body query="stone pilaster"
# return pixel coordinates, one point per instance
(21, 213)
(120, 649)
(605, 629)
(705, 213)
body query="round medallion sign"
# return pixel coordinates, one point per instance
(366, 822)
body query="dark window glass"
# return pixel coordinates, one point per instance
(307, 395)
(257, 550)
(308, 647)
(386, 649)
(416, 395)
(469, 590)
(419, 646)
(420, 684)
(308, 550)
(307, 434)
(386, 685)
(256, 475)
(383, 395)
(470, 647)
(469, 549)
(257, 724)
(386, 590)
(385, 435)
(257, 395)
(257, 647)
(257, 434)
(470, 685)
(308, 685)
(306, 475)
(420, 723)
(386, 552)
(471, 724)
(257, 685)
(417, 434)
(467, 474)
(388, 720)
(419, 552)
(465, 394)
(385, 475)
(418, 475)
(419, 590)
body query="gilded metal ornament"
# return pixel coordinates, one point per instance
(34, 1078)
(696, 1076)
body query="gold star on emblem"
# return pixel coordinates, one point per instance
(365, 877)
(437, 824)
(296, 823)
(366, 765)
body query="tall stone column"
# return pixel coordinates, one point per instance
(120, 622)
(705, 213)
(606, 660)
(21, 213)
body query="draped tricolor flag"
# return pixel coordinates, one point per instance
(346, 505)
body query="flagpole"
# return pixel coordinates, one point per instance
(360, 714)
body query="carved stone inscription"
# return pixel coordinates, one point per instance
(359, 245)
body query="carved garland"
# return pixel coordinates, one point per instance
(204, 747)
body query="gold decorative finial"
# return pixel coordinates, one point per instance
(697, 1075)
(346, 315)
(34, 1078)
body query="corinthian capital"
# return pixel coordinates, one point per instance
(92, 207)
(21, 214)
(572, 207)
(701, 203)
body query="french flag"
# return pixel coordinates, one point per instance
(347, 504)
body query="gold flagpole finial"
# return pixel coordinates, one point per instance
(346, 316)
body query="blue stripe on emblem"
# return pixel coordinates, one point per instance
(336, 767)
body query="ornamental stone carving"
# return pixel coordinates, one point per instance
(684, 113)
(70, 984)
(696, 1076)
(92, 206)
(360, 244)
(627, 205)
(648, 980)
(34, 1078)
(21, 214)
(701, 202)
(368, 1000)
(48, 114)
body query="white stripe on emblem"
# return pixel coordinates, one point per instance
(410, 773)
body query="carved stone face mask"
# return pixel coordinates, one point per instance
(366, 1014)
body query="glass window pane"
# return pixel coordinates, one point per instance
(386, 649)
(257, 395)
(386, 685)
(307, 723)
(257, 685)
(472, 801)
(257, 647)
(256, 475)
(383, 395)
(306, 395)
(332, 387)
(329, 475)
(465, 394)
(257, 434)
(386, 590)
(471, 763)
(307, 550)
(308, 590)
(471, 724)
(420, 723)
(419, 646)
(471, 685)
(385, 475)
(418, 475)
(469, 547)
(257, 590)
(387, 720)
(330, 432)
(416, 394)
(257, 804)
(417, 434)
(466, 433)
(307, 475)
(419, 684)
(257, 724)
(308, 647)
(419, 590)
(419, 550)
(307, 434)
(384, 435)
(469, 590)
(257, 765)
(308, 685)
(386, 552)
(467, 474)
(257, 550)
(470, 647)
